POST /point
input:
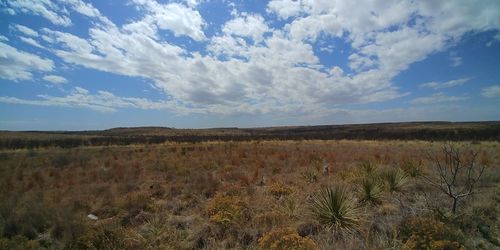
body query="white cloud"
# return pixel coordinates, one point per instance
(45, 8)
(30, 41)
(3, 38)
(17, 65)
(437, 98)
(55, 79)
(336, 71)
(285, 8)
(491, 91)
(280, 71)
(25, 30)
(442, 85)
(103, 101)
(311, 27)
(178, 18)
(253, 26)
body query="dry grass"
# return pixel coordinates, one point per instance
(228, 195)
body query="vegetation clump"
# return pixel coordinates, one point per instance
(371, 191)
(226, 210)
(286, 239)
(427, 233)
(395, 179)
(279, 189)
(335, 208)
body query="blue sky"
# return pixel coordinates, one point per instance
(78, 65)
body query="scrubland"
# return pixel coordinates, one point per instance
(338, 194)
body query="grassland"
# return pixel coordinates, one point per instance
(242, 195)
(440, 131)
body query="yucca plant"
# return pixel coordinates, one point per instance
(368, 167)
(395, 179)
(411, 168)
(371, 191)
(335, 208)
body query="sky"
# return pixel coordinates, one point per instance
(85, 65)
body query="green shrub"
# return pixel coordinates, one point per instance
(334, 207)
(368, 167)
(395, 179)
(371, 191)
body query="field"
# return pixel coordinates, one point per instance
(255, 194)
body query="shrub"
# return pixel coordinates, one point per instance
(371, 191)
(368, 167)
(335, 208)
(310, 176)
(425, 233)
(395, 179)
(456, 175)
(446, 245)
(286, 239)
(18, 243)
(101, 238)
(279, 189)
(226, 210)
(411, 168)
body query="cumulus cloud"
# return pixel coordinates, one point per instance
(447, 84)
(491, 91)
(285, 8)
(55, 79)
(279, 71)
(437, 98)
(17, 65)
(252, 26)
(178, 18)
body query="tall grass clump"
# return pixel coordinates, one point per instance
(368, 167)
(335, 208)
(411, 168)
(395, 179)
(371, 191)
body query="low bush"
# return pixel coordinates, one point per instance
(226, 210)
(285, 239)
(427, 233)
(279, 189)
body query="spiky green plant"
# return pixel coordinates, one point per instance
(368, 167)
(335, 208)
(395, 179)
(371, 191)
